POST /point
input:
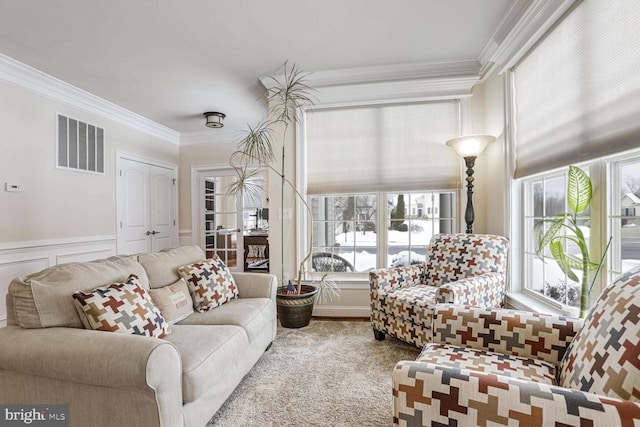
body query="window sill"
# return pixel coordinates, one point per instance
(344, 281)
(522, 301)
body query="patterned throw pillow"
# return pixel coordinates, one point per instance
(210, 282)
(174, 301)
(121, 307)
(604, 356)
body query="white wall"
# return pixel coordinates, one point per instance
(490, 190)
(60, 215)
(56, 203)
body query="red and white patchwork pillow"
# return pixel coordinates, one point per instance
(210, 283)
(121, 307)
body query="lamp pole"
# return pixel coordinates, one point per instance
(469, 215)
(469, 147)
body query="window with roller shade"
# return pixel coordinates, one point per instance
(380, 181)
(576, 100)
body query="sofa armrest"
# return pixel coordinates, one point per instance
(384, 280)
(521, 333)
(426, 394)
(91, 357)
(256, 285)
(484, 290)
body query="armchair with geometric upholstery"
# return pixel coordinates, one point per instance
(467, 269)
(514, 368)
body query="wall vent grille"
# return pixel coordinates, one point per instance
(80, 146)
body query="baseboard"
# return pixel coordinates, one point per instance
(341, 311)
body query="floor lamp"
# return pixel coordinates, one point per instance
(470, 147)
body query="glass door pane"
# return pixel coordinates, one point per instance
(222, 216)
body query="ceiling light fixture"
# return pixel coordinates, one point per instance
(214, 119)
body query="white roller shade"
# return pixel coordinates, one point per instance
(382, 148)
(577, 93)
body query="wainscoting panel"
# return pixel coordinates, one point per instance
(22, 258)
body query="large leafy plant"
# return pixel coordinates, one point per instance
(563, 230)
(284, 96)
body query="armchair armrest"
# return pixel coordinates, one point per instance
(256, 285)
(384, 280)
(426, 394)
(520, 333)
(484, 290)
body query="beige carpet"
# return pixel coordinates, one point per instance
(331, 373)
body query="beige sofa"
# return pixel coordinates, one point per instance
(114, 379)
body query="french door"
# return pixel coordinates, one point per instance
(219, 219)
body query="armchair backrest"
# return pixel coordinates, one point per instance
(604, 356)
(452, 257)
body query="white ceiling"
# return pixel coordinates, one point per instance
(170, 61)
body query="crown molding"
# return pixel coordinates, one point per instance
(525, 23)
(395, 91)
(393, 73)
(23, 76)
(214, 136)
(389, 83)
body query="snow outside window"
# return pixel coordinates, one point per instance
(348, 229)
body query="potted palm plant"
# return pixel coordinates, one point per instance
(563, 230)
(255, 150)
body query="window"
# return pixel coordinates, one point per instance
(544, 197)
(624, 215)
(573, 98)
(349, 229)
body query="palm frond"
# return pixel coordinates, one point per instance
(245, 183)
(284, 97)
(328, 289)
(256, 143)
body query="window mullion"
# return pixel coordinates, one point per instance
(381, 230)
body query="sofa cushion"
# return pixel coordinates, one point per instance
(173, 301)
(603, 356)
(210, 282)
(209, 356)
(489, 362)
(162, 267)
(43, 299)
(252, 314)
(121, 307)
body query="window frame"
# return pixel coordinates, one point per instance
(605, 174)
(382, 243)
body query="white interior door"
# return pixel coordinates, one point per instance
(162, 208)
(146, 207)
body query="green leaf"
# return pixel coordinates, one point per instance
(579, 189)
(557, 224)
(563, 262)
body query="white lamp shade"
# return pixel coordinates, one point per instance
(470, 145)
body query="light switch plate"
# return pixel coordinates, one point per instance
(13, 188)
